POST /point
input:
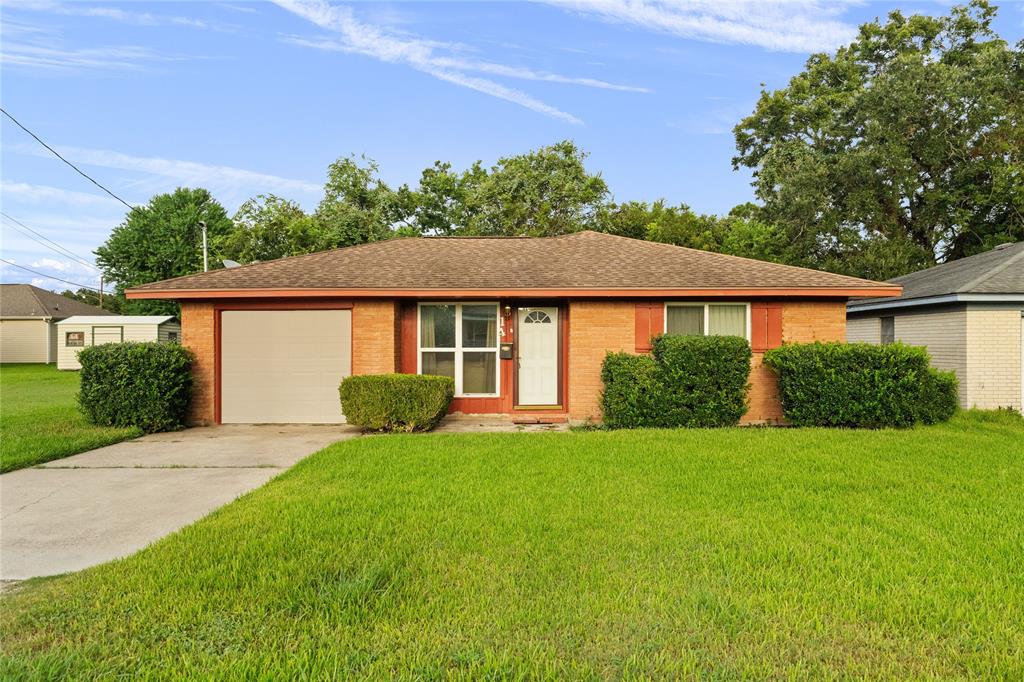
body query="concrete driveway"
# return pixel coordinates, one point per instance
(79, 511)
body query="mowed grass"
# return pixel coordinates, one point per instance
(39, 417)
(758, 553)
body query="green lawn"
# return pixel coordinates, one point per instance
(758, 553)
(39, 418)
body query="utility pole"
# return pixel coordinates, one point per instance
(206, 264)
(101, 290)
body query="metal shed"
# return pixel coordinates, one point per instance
(80, 331)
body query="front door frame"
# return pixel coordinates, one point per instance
(561, 360)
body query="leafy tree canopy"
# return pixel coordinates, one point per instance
(541, 193)
(904, 148)
(160, 240)
(110, 302)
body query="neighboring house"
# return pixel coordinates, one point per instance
(521, 324)
(970, 315)
(80, 331)
(28, 321)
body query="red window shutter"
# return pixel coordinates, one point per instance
(774, 325)
(649, 323)
(408, 342)
(765, 326)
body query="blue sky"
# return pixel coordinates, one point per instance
(246, 98)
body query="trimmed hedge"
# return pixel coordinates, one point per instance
(630, 382)
(693, 381)
(939, 396)
(861, 385)
(396, 402)
(147, 385)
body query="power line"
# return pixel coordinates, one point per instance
(56, 248)
(57, 154)
(42, 274)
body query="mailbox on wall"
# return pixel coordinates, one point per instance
(505, 351)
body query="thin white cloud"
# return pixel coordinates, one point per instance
(189, 173)
(358, 37)
(118, 14)
(44, 194)
(123, 58)
(492, 68)
(786, 26)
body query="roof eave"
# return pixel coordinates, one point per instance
(941, 299)
(727, 292)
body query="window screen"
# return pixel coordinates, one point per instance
(727, 320)
(686, 320)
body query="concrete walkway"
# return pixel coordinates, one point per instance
(83, 510)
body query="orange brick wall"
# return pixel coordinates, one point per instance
(595, 327)
(807, 321)
(375, 337)
(197, 336)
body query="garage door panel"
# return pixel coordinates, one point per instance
(284, 366)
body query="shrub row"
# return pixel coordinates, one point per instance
(396, 402)
(861, 385)
(687, 381)
(147, 385)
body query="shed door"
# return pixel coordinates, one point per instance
(284, 366)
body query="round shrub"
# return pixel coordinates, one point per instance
(147, 385)
(703, 379)
(939, 397)
(696, 381)
(860, 385)
(630, 389)
(396, 402)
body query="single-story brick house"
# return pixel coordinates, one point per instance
(969, 313)
(521, 324)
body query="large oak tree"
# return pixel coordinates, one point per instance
(903, 149)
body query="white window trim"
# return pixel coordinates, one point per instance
(707, 313)
(458, 350)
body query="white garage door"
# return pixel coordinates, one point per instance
(284, 366)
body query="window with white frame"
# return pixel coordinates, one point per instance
(460, 340)
(708, 319)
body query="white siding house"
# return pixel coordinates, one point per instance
(80, 331)
(28, 322)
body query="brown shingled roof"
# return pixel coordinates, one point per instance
(579, 262)
(25, 300)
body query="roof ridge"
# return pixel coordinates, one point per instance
(992, 272)
(731, 256)
(275, 260)
(46, 308)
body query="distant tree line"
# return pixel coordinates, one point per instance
(902, 150)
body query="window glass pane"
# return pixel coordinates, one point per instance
(888, 330)
(479, 372)
(479, 326)
(727, 320)
(437, 326)
(439, 364)
(685, 320)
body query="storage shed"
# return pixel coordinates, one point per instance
(80, 331)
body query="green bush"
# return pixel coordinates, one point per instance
(703, 379)
(630, 387)
(939, 397)
(696, 381)
(396, 402)
(147, 385)
(860, 385)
